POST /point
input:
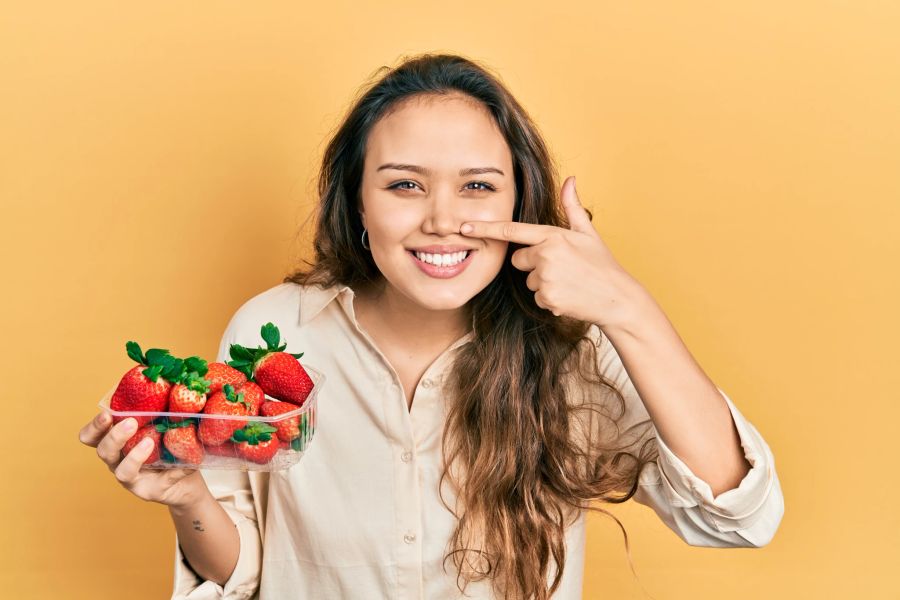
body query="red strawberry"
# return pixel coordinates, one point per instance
(147, 431)
(283, 377)
(190, 390)
(254, 396)
(226, 449)
(137, 392)
(218, 374)
(288, 428)
(184, 399)
(256, 443)
(215, 432)
(278, 373)
(145, 388)
(183, 444)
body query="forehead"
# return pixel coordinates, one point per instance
(439, 132)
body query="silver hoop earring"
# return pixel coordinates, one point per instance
(363, 239)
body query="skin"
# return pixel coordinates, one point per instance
(443, 134)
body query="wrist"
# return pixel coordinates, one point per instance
(192, 500)
(634, 303)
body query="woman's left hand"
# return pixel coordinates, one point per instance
(572, 271)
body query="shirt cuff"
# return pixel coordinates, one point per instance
(734, 509)
(244, 580)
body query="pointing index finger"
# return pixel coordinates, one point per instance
(510, 231)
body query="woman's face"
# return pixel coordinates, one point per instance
(416, 192)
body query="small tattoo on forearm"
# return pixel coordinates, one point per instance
(198, 526)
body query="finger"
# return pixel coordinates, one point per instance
(91, 433)
(523, 259)
(578, 217)
(128, 469)
(510, 231)
(110, 447)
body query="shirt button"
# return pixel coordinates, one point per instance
(409, 538)
(406, 456)
(427, 383)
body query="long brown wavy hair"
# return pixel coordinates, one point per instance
(526, 446)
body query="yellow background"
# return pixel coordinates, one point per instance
(158, 159)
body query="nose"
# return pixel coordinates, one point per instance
(443, 214)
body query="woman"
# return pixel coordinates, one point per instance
(477, 399)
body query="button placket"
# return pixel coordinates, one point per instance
(406, 456)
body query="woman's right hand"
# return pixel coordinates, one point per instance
(177, 488)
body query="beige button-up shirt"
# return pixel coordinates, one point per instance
(360, 516)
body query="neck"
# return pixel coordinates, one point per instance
(401, 319)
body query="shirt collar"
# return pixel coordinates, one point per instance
(313, 299)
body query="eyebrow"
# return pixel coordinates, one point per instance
(424, 171)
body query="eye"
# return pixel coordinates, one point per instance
(488, 187)
(396, 186)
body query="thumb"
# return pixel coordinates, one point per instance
(578, 215)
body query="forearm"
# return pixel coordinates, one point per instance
(208, 538)
(686, 407)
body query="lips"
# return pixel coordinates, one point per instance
(442, 272)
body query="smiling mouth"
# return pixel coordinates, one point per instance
(415, 255)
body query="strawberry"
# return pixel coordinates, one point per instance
(145, 388)
(288, 428)
(226, 449)
(189, 395)
(278, 373)
(215, 432)
(255, 442)
(181, 441)
(149, 431)
(254, 396)
(219, 374)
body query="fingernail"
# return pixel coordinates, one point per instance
(104, 419)
(573, 182)
(465, 228)
(146, 443)
(130, 424)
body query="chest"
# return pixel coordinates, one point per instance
(410, 368)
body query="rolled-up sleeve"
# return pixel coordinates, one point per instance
(232, 490)
(745, 516)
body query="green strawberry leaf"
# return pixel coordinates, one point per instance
(162, 427)
(237, 364)
(152, 373)
(167, 456)
(239, 436)
(197, 383)
(134, 352)
(264, 437)
(239, 352)
(157, 356)
(296, 445)
(297, 356)
(173, 369)
(196, 364)
(246, 369)
(271, 335)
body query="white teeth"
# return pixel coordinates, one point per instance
(442, 260)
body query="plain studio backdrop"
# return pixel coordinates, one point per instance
(157, 161)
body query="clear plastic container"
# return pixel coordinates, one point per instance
(227, 456)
